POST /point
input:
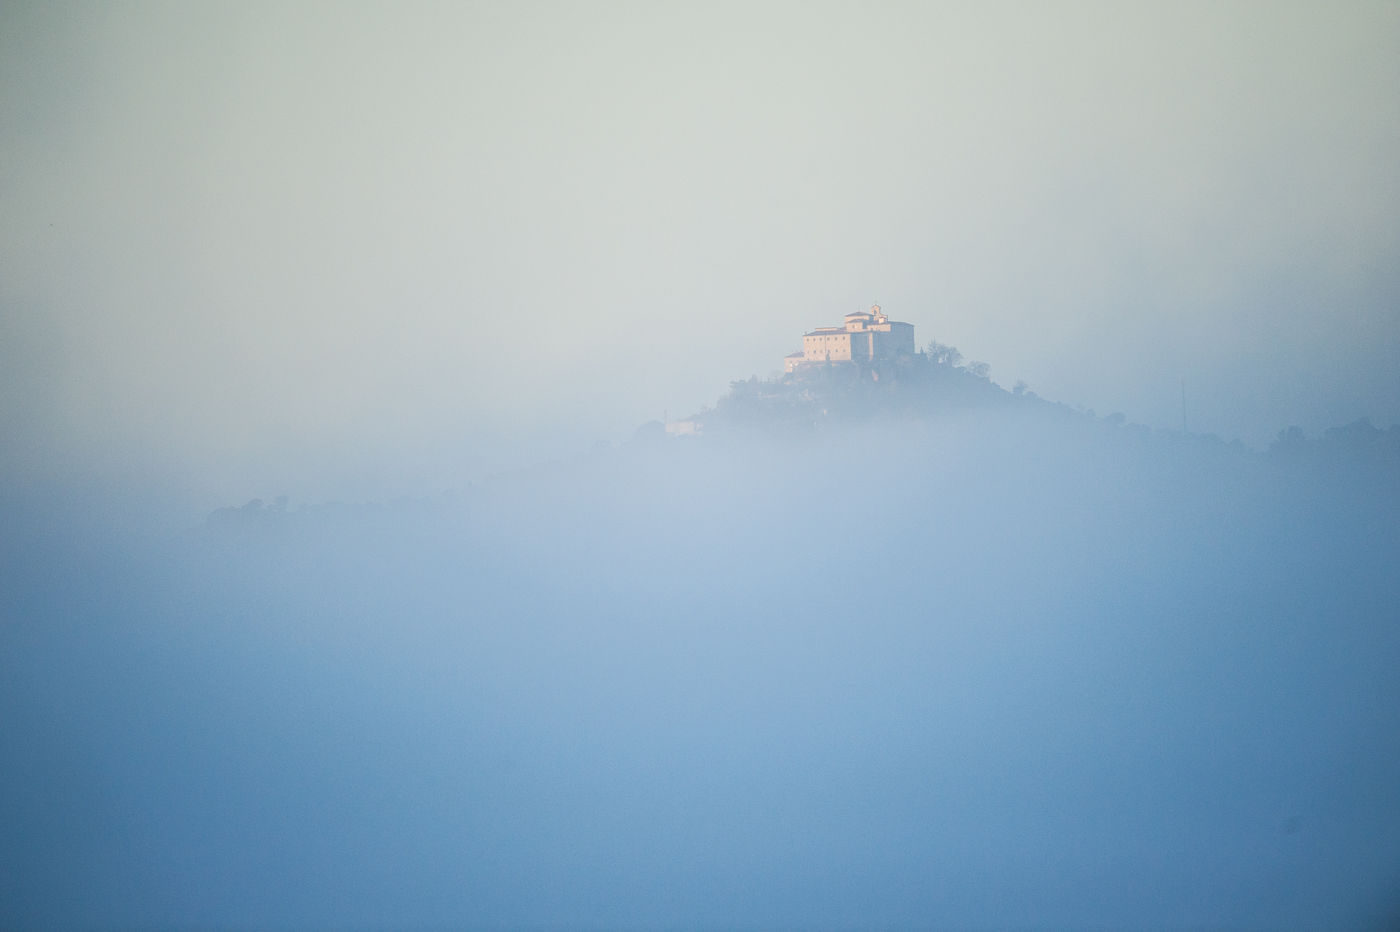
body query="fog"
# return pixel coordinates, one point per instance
(360, 252)
(993, 668)
(348, 578)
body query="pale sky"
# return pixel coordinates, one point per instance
(370, 249)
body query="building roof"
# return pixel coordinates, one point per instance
(793, 356)
(824, 331)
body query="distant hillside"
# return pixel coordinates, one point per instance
(937, 383)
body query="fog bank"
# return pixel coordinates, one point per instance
(989, 671)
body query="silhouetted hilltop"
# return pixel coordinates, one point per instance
(922, 384)
(1359, 443)
(936, 385)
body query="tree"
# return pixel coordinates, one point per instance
(942, 355)
(1290, 439)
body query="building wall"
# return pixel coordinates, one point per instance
(864, 346)
(892, 343)
(819, 347)
(863, 337)
(901, 337)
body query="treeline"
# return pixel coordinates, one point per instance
(926, 383)
(939, 381)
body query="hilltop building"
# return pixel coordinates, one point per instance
(866, 337)
(686, 428)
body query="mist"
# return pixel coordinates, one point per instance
(350, 577)
(360, 252)
(990, 669)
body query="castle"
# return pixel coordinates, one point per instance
(867, 337)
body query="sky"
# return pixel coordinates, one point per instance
(345, 250)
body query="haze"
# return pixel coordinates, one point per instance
(348, 580)
(361, 251)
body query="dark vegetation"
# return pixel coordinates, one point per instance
(936, 383)
(927, 383)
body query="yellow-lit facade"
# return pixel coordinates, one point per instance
(866, 337)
